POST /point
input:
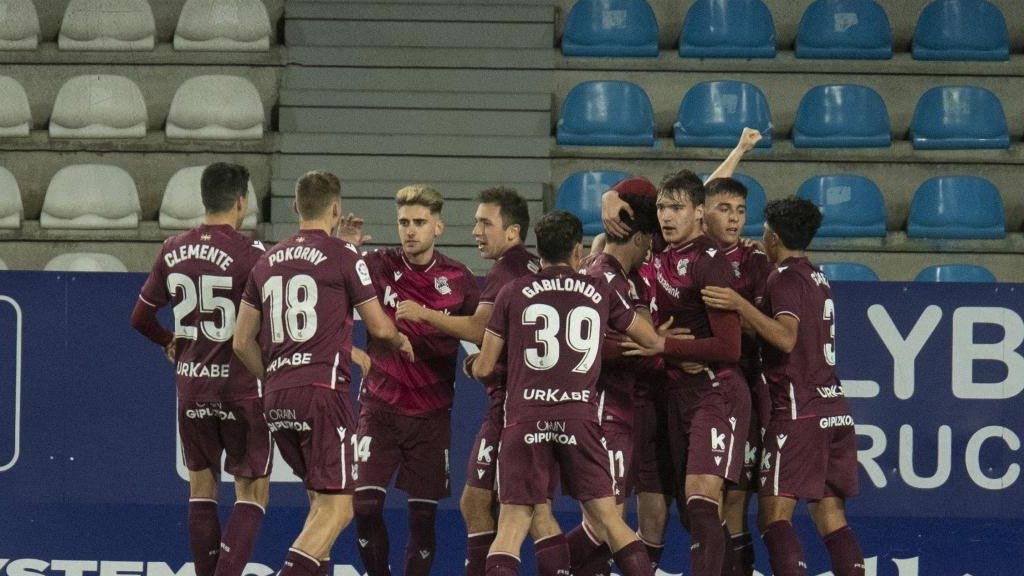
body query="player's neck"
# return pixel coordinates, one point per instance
(221, 219)
(621, 253)
(421, 259)
(783, 254)
(688, 239)
(508, 248)
(323, 224)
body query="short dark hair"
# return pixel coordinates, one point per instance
(512, 207)
(644, 219)
(314, 193)
(794, 220)
(222, 185)
(686, 183)
(727, 186)
(558, 232)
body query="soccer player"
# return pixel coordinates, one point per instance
(725, 214)
(405, 413)
(202, 273)
(502, 220)
(551, 325)
(810, 449)
(299, 302)
(618, 264)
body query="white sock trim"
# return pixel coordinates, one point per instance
(211, 500)
(590, 534)
(700, 497)
(505, 554)
(304, 555)
(546, 538)
(648, 543)
(248, 503)
(361, 488)
(475, 534)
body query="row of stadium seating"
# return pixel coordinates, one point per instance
(103, 197)
(962, 207)
(213, 106)
(854, 272)
(128, 25)
(834, 29)
(712, 114)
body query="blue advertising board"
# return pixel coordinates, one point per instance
(91, 481)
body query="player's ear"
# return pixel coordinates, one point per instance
(512, 232)
(438, 227)
(295, 207)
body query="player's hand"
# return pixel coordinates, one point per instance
(611, 204)
(749, 243)
(406, 348)
(467, 364)
(361, 359)
(721, 298)
(170, 351)
(693, 367)
(666, 329)
(748, 139)
(411, 311)
(350, 229)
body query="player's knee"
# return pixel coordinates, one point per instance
(255, 490)
(543, 524)
(477, 507)
(368, 503)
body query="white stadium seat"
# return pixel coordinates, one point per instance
(91, 196)
(99, 106)
(85, 262)
(182, 206)
(3, 265)
(11, 209)
(19, 25)
(216, 107)
(223, 25)
(15, 114)
(107, 25)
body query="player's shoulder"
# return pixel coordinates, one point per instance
(179, 239)
(447, 264)
(706, 247)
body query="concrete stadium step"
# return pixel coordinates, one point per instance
(378, 189)
(407, 122)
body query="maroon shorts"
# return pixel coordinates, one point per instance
(415, 446)
(619, 440)
(652, 462)
(748, 480)
(531, 453)
(483, 457)
(707, 428)
(314, 431)
(208, 430)
(810, 458)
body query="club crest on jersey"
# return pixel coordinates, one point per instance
(736, 269)
(441, 285)
(682, 266)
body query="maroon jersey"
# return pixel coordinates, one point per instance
(803, 383)
(679, 275)
(617, 381)
(515, 263)
(203, 272)
(553, 323)
(428, 383)
(750, 270)
(305, 289)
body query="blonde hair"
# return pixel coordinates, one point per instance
(314, 193)
(420, 195)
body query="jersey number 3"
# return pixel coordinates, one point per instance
(582, 334)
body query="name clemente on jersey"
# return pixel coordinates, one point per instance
(563, 285)
(298, 253)
(198, 252)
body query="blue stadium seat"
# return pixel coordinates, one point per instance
(581, 193)
(842, 116)
(851, 206)
(728, 29)
(956, 207)
(756, 200)
(955, 273)
(623, 28)
(848, 272)
(713, 114)
(961, 30)
(959, 118)
(844, 29)
(606, 114)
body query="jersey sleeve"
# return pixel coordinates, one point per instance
(154, 291)
(761, 268)
(495, 280)
(620, 312)
(786, 294)
(251, 295)
(498, 324)
(471, 293)
(355, 273)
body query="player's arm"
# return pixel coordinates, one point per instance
(748, 140)
(780, 331)
(382, 328)
(361, 359)
(487, 359)
(468, 328)
(144, 320)
(247, 328)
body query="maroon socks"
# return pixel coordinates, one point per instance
(708, 549)
(477, 547)
(502, 565)
(419, 551)
(371, 533)
(785, 554)
(298, 563)
(239, 538)
(204, 535)
(844, 550)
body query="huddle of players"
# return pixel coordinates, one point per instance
(545, 331)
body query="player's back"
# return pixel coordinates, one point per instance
(553, 323)
(202, 273)
(305, 288)
(803, 382)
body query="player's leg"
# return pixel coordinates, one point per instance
(774, 518)
(627, 550)
(377, 457)
(424, 475)
(201, 449)
(703, 502)
(549, 544)
(652, 519)
(734, 513)
(829, 513)
(330, 512)
(478, 503)
(249, 453)
(592, 556)
(513, 526)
